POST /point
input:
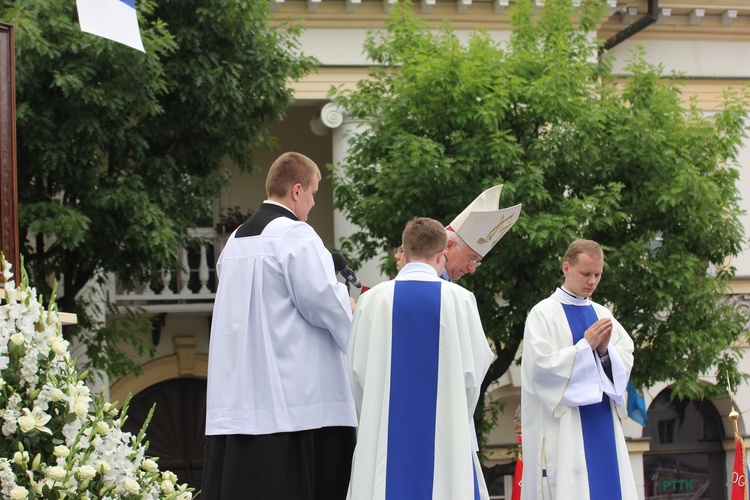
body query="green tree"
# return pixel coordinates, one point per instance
(120, 151)
(624, 163)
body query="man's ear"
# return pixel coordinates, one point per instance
(295, 191)
(565, 267)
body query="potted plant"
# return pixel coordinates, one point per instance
(231, 218)
(59, 440)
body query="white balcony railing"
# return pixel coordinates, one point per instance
(189, 286)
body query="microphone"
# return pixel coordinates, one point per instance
(339, 264)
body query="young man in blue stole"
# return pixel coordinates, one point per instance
(417, 355)
(575, 368)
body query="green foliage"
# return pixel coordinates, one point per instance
(119, 151)
(126, 330)
(626, 164)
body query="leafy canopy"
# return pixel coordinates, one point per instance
(624, 162)
(120, 151)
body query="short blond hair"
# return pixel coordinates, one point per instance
(423, 238)
(589, 247)
(289, 169)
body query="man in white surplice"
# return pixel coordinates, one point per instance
(280, 419)
(575, 367)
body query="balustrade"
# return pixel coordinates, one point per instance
(189, 286)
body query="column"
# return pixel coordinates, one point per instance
(344, 126)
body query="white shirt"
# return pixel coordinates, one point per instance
(278, 336)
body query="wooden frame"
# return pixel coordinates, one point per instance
(8, 180)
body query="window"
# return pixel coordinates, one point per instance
(666, 431)
(501, 488)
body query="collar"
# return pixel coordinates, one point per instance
(564, 296)
(271, 206)
(412, 269)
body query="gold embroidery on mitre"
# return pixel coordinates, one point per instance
(505, 224)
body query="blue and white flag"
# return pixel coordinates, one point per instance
(637, 405)
(113, 19)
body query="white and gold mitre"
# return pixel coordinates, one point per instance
(482, 224)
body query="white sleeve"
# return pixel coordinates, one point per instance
(548, 360)
(620, 351)
(585, 384)
(589, 381)
(320, 298)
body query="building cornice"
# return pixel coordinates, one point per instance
(678, 19)
(316, 86)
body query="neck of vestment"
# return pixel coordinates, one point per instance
(412, 269)
(267, 212)
(564, 296)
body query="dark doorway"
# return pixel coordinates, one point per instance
(176, 429)
(686, 459)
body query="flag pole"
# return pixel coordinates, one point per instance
(739, 474)
(518, 473)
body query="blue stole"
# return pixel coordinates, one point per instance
(599, 443)
(415, 349)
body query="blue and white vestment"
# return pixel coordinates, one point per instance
(573, 444)
(417, 356)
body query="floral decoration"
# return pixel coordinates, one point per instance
(232, 218)
(58, 441)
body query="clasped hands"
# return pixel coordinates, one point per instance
(598, 335)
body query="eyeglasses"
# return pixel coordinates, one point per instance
(474, 262)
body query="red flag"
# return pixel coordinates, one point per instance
(739, 477)
(518, 474)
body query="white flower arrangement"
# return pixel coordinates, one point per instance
(57, 441)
